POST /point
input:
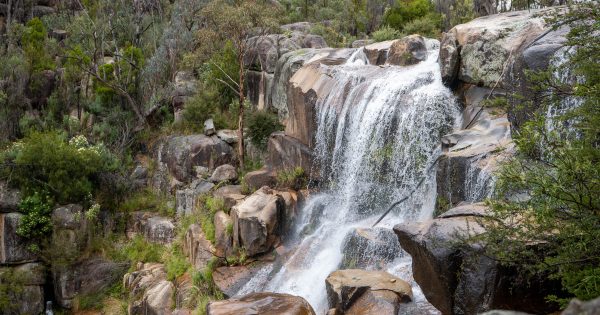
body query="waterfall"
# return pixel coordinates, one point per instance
(378, 130)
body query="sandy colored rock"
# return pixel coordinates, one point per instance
(263, 303)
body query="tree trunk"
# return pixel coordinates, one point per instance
(241, 111)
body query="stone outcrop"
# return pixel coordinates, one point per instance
(577, 307)
(13, 248)
(185, 199)
(263, 303)
(151, 226)
(223, 234)
(149, 290)
(364, 247)
(197, 248)
(178, 156)
(258, 221)
(70, 231)
(9, 198)
(286, 153)
(355, 291)
(459, 280)
(230, 279)
(26, 285)
(224, 173)
(227, 135)
(257, 179)
(487, 45)
(185, 87)
(407, 51)
(83, 278)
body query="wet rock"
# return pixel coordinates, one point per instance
(224, 173)
(10, 198)
(577, 307)
(355, 291)
(230, 279)
(229, 136)
(377, 53)
(13, 248)
(185, 199)
(149, 291)
(209, 127)
(287, 153)
(257, 221)
(449, 58)
(197, 248)
(223, 234)
(407, 51)
(261, 303)
(151, 226)
(367, 247)
(84, 278)
(459, 280)
(182, 153)
(257, 179)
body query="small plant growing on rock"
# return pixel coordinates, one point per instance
(295, 179)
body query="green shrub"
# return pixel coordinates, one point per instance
(428, 26)
(140, 250)
(36, 223)
(385, 33)
(261, 124)
(295, 179)
(414, 17)
(67, 170)
(176, 264)
(148, 200)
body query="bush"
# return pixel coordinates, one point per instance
(414, 17)
(386, 33)
(139, 249)
(176, 264)
(46, 162)
(428, 26)
(36, 223)
(261, 124)
(295, 179)
(148, 200)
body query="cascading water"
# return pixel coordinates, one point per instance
(378, 130)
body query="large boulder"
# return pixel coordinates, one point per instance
(407, 51)
(223, 234)
(230, 279)
(487, 46)
(88, 277)
(265, 51)
(459, 279)
(449, 58)
(365, 247)
(263, 303)
(577, 307)
(9, 198)
(355, 291)
(149, 290)
(26, 285)
(197, 248)
(259, 178)
(151, 226)
(257, 221)
(182, 153)
(70, 231)
(13, 248)
(224, 173)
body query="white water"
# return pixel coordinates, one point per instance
(378, 130)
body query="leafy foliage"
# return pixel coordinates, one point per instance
(385, 33)
(36, 223)
(413, 16)
(261, 124)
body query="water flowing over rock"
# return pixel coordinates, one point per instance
(375, 247)
(355, 291)
(263, 303)
(370, 133)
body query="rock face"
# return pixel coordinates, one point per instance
(223, 234)
(149, 290)
(257, 221)
(487, 45)
(151, 226)
(185, 86)
(9, 198)
(287, 153)
(407, 51)
(370, 247)
(185, 199)
(263, 303)
(224, 173)
(13, 248)
(87, 277)
(70, 230)
(460, 281)
(182, 153)
(197, 248)
(26, 283)
(577, 307)
(355, 291)
(260, 178)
